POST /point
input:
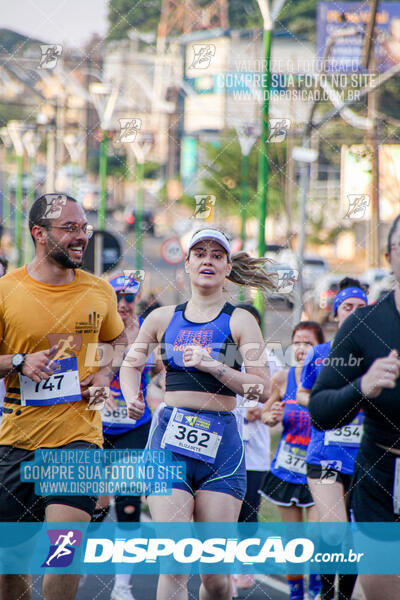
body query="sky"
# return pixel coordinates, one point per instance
(58, 21)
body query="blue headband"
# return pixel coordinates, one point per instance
(126, 283)
(349, 292)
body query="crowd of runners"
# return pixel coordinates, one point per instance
(335, 403)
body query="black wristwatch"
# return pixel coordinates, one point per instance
(18, 361)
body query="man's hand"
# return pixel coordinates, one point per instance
(136, 407)
(101, 378)
(382, 374)
(39, 365)
(112, 400)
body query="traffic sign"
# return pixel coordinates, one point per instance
(171, 251)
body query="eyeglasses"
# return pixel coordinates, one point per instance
(74, 228)
(129, 298)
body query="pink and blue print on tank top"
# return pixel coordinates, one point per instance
(215, 336)
(337, 447)
(289, 461)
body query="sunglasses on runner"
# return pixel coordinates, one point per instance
(129, 298)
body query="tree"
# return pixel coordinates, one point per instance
(125, 16)
(222, 167)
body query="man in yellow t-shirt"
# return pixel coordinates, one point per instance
(50, 311)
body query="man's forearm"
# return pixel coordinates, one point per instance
(6, 365)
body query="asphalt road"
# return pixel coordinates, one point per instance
(144, 587)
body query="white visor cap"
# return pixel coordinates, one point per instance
(210, 234)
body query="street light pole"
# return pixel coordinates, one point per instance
(16, 129)
(31, 141)
(139, 215)
(262, 181)
(247, 137)
(75, 147)
(140, 148)
(104, 99)
(103, 181)
(6, 209)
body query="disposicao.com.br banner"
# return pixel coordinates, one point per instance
(152, 548)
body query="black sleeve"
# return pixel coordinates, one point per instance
(336, 396)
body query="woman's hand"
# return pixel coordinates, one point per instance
(197, 356)
(274, 415)
(253, 414)
(136, 407)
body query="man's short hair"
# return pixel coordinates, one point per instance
(41, 207)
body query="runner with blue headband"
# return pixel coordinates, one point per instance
(119, 430)
(331, 454)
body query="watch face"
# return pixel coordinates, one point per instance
(17, 360)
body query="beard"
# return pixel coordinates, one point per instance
(59, 254)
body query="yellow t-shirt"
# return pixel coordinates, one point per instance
(35, 316)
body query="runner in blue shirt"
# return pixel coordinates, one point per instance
(119, 430)
(331, 454)
(286, 483)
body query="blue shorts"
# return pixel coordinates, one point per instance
(227, 474)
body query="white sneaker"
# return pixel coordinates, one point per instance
(122, 592)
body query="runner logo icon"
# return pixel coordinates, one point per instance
(62, 547)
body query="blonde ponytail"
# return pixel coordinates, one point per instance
(250, 272)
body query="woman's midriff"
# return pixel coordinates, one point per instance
(200, 400)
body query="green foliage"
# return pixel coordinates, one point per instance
(125, 16)
(10, 111)
(244, 15)
(223, 167)
(299, 18)
(116, 166)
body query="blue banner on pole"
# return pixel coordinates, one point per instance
(346, 53)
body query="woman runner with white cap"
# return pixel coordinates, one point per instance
(200, 342)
